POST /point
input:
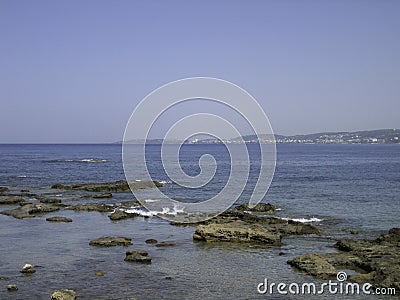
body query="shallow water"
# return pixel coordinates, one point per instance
(347, 186)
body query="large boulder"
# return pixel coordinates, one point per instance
(108, 241)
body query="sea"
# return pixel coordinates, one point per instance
(341, 189)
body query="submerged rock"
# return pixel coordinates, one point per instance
(108, 187)
(59, 219)
(265, 208)
(49, 200)
(166, 244)
(63, 295)
(98, 196)
(28, 269)
(139, 256)
(108, 241)
(9, 200)
(151, 241)
(237, 226)
(30, 210)
(379, 260)
(121, 215)
(12, 288)
(99, 207)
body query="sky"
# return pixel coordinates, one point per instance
(73, 71)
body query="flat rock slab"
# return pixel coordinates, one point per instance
(30, 211)
(99, 207)
(59, 219)
(108, 241)
(9, 200)
(379, 260)
(98, 196)
(139, 256)
(109, 187)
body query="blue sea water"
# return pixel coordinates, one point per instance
(345, 187)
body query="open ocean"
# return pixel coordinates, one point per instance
(337, 188)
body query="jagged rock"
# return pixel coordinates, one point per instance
(30, 211)
(378, 259)
(99, 207)
(108, 241)
(12, 288)
(59, 219)
(237, 226)
(120, 215)
(151, 241)
(108, 187)
(63, 295)
(265, 208)
(314, 265)
(9, 200)
(139, 256)
(28, 269)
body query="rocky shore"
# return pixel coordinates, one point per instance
(376, 261)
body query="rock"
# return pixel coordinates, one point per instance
(24, 191)
(168, 277)
(28, 269)
(108, 187)
(108, 241)
(99, 207)
(4, 278)
(12, 288)
(130, 204)
(314, 265)
(59, 219)
(4, 189)
(378, 261)
(165, 244)
(151, 241)
(9, 200)
(139, 256)
(120, 215)
(265, 208)
(99, 273)
(30, 211)
(63, 295)
(103, 195)
(354, 231)
(49, 200)
(237, 226)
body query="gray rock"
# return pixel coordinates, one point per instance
(9, 200)
(59, 219)
(314, 265)
(109, 187)
(265, 208)
(28, 269)
(12, 288)
(108, 241)
(99, 207)
(139, 256)
(30, 211)
(98, 196)
(63, 295)
(121, 215)
(151, 241)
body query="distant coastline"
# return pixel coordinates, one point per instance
(380, 136)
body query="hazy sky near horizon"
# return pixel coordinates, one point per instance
(73, 71)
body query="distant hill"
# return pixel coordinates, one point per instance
(380, 136)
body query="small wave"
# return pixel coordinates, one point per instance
(22, 176)
(152, 200)
(304, 220)
(84, 160)
(164, 211)
(165, 181)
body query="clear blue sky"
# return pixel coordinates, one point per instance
(72, 71)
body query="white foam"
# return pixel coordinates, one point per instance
(152, 200)
(303, 220)
(164, 211)
(92, 160)
(165, 182)
(22, 176)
